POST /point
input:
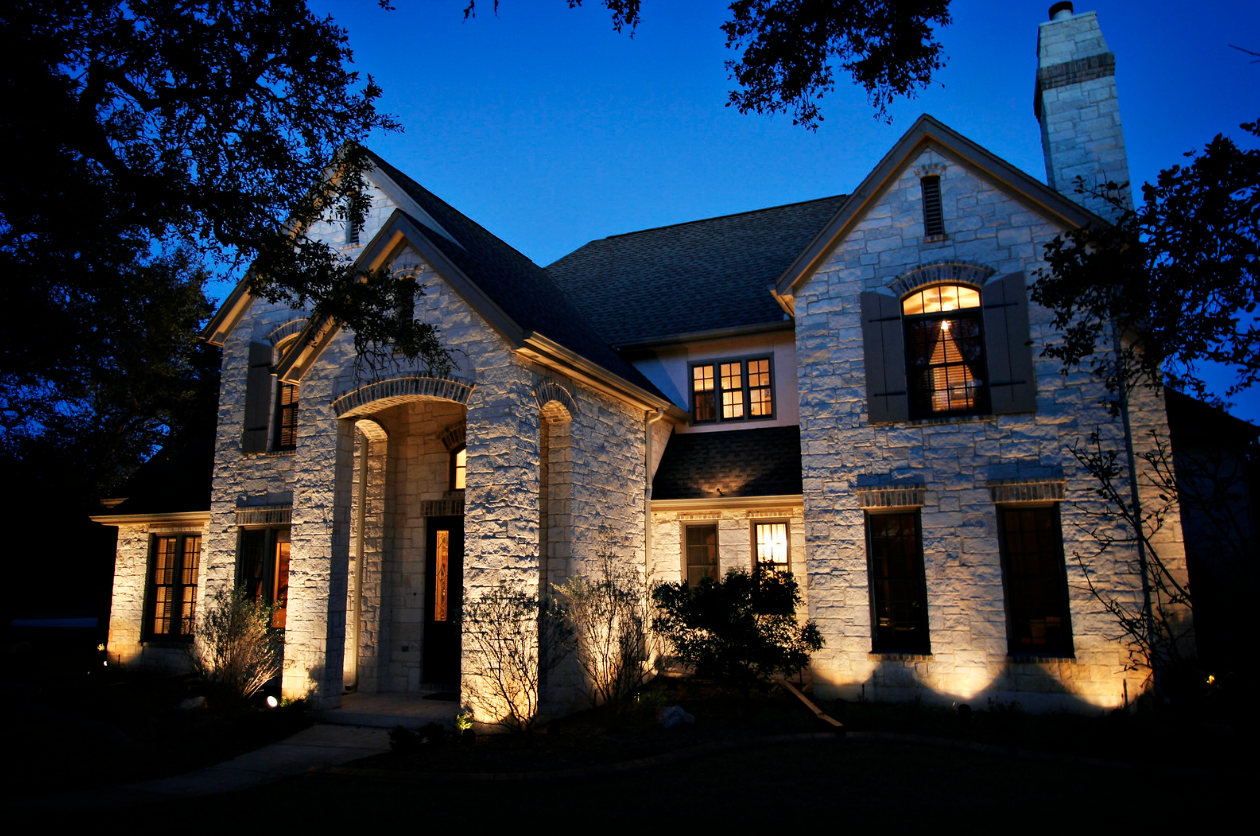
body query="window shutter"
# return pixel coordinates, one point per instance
(257, 399)
(1012, 385)
(885, 347)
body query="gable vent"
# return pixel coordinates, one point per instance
(933, 218)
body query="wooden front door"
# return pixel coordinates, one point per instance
(443, 599)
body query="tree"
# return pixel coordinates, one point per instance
(1169, 286)
(741, 629)
(160, 143)
(790, 49)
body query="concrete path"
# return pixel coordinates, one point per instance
(320, 745)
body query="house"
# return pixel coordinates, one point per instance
(849, 388)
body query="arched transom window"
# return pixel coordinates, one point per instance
(945, 365)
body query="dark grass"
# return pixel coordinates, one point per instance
(72, 723)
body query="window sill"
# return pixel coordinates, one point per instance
(1039, 658)
(964, 418)
(900, 657)
(935, 239)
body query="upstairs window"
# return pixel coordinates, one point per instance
(286, 416)
(732, 390)
(459, 467)
(933, 215)
(945, 366)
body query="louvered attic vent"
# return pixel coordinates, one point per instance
(933, 218)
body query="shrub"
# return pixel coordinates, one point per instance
(234, 648)
(741, 630)
(609, 619)
(515, 639)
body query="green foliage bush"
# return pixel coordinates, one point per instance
(234, 648)
(741, 630)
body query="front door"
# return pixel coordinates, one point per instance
(443, 599)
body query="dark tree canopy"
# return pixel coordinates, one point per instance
(1180, 276)
(792, 48)
(156, 143)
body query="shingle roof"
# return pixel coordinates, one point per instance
(521, 288)
(698, 276)
(758, 462)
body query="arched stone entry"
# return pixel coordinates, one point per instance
(401, 493)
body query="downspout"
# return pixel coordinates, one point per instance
(357, 614)
(647, 488)
(1143, 561)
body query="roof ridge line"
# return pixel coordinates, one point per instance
(719, 217)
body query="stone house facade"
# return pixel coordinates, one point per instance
(856, 396)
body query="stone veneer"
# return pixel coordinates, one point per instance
(952, 469)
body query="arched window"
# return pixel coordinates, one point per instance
(945, 365)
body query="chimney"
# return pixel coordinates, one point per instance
(1079, 112)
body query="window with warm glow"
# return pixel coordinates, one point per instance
(459, 468)
(732, 390)
(264, 569)
(944, 351)
(772, 545)
(173, 586)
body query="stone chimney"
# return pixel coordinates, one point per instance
(1079, 112)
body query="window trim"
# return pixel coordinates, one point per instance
(717, 549)
(454, 468)
(886, 645)
(908, 321)
(273, 535)
(1066, 646)
(745, 388)
(183, 631)
(787, 545)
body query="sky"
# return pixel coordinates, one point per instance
(550, 129)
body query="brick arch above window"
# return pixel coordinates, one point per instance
(555, 401)
(386, 393)
(288, 330)
(942, 272)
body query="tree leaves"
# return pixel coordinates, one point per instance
(1179, 277)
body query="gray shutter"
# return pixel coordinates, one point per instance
(885, 347)
(1012, 384)
(257, 399)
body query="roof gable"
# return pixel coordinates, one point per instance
(924, 132)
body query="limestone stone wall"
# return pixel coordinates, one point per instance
(736, 546)
(126, 644)
(955, 463)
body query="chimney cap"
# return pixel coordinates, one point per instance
(1061, 10)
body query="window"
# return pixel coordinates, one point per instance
(286, 416)
(264, 568)
(771, 539)
(1035, 578)
(701, 553)
(459, 467)
(944, 351)
(933, 216)
(271, 408)
(173, 586)
(917, 367)
(732, 390)
(894, 548)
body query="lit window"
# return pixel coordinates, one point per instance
(264, 569)
(732, 390)
(944, 351)
(702, 553)
(894, 547)
(1038, 620)
(459, 467)
(173, 586)
(772, 545)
